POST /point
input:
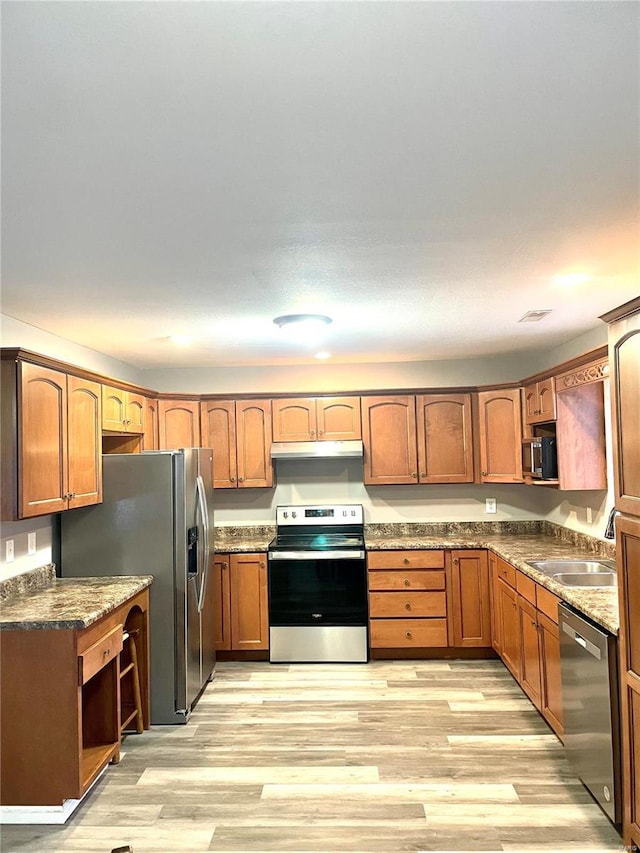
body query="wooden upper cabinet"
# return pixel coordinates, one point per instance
(389, 436)
(179, 424)
(122, 411)
(253, 443)
(338, 418)
(294, 419)
(218, 431)
(624, 343)
(84, 435)
(151, 435)
(540, 401)
(500, 436)
(445, 442)
(43, 473)
(51, 442)
(469, 605)
(316, 419)
(580, 435)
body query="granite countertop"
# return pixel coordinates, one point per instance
(517, 542)
(68, 603)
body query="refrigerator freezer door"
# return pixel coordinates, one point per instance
(207, 613)
(189, 679)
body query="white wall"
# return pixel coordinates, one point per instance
(340, 481)
(18, 531)
(14, 333)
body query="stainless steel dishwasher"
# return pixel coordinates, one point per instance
(589, 665)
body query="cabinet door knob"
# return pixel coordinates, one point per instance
(225, 565)
(408, 635)
(484, 473)
(456, 560)
(262, 564)
(414, 474)
(241, 479)
(232, 479)
(406, 561)
(312, 432)
(422, 474)
(407, 582)
(407, 606)
(320, 432)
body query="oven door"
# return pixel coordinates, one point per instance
(317, 607)
(317, 589)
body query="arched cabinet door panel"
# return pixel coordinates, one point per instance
(389, 437)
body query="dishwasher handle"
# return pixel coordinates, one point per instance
(588, 646)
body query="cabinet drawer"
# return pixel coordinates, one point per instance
(390, 604)
(547, 602)
(507, 572)
(405, 559)
(526, 587)
(408, 633)
(100, 654)
(406, 580)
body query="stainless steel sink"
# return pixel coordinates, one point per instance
(579, 567)
(599, 579)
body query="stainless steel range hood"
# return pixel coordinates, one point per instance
(317, 450)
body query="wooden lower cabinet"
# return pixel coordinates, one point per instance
(407, 599)
(525, 634)
(550, 677)
(241, 605)
(469, 606)
(61, 712)
(507, 601)
(530, 669)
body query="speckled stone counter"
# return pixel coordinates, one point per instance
(516, 541)
(68, 603)
(600, 605)
(243, 540)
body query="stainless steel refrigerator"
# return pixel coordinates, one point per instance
(156, 519)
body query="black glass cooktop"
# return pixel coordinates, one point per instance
(316, 541)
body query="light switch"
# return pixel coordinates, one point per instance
(490, 505)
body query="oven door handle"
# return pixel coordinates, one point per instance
(316, 555)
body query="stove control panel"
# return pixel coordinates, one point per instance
(324, 516)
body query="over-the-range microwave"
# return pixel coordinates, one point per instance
(540, 458)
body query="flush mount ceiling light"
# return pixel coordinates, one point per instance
(303, 327)
(534, 316)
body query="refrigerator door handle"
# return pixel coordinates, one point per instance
(202, 503)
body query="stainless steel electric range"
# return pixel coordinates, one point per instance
(318, 585)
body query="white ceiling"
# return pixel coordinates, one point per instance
(421, 172)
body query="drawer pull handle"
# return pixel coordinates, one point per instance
(407, 606)
(407, 582)
(106, 653)
(406, 561)
(408, 635)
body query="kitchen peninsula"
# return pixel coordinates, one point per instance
(67, 685)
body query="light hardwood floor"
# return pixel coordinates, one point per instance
(388, 756)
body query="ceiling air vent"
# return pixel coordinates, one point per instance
(534, 316)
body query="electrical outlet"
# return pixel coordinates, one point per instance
(490, 505)
(31, 543)
(589, 515)
(9, 553)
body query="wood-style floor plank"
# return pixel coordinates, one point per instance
(391, 756)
